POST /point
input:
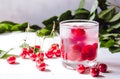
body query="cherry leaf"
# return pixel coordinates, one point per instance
(82, 4)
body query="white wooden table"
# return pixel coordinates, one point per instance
(26, 69)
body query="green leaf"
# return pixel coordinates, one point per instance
(49, 27)
(94, 7)
(3, 53)
(108, 40)
(113, 27)
(35, 27)
(93, 16)
(4, 27)
(81, 13)
(24, 45)
(109, 43)
(110, 35)
(43, 32)
(102, 4)
(19, 27)
(102, 43)
(23, 26)
(118, 42)
(82, 4)
(115, 17)
(114, 49)
(50, 20)
(8, 22)
(66, 15)
(107, 14)
(7, 55)
(93, 10)
(15, 27)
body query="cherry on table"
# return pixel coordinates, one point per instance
(41, 66)
(49, 53)
(33, 56)
(23, 55)
(40, 55)
(81, 68)
(54, 46)
(11, 59)
(102, 67)
(94, 72)
(37, 46)
(57, 52)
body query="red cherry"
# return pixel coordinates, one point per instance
(37, 46)
(41, 66)
(87, 69)
(57, 52)
(23, 55)
(33, 56)
(76, 47)
(54, 46)
(92, 55)
(77, 31)
(88, 52)
(84, 52)
(49, 53)
(40, 55)
(95, 46)
(102, 67)
(81, 68)
(77, 35)
(39, 60)
(11, 59)
(30, 50)
(94, 72)
(24, 49)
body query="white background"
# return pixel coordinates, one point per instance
(35, 11)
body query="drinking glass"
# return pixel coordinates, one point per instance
(79, 42)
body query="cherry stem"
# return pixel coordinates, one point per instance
(34, 45)
(27, 33)
(53, 29)
(44, 37)
(52, 33)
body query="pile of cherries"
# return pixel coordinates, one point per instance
(35, 54)
(94, 71)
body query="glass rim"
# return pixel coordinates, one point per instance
(79, 20)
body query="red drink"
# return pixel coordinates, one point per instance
(79, 41)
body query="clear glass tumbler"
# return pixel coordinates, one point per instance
(79, 42)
